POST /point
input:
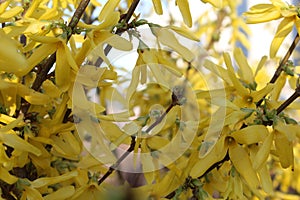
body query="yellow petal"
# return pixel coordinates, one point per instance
(68, 143)
(3, 6)
(236, 82)
(133, 83)
(6, 119)
(168, 183)
(167, 38)
(297, 24)
(33, 6)
(251, 134)
(107, 10)
(61, 193)
(45, 181)
(62, 69)
(118, 42)
(260, 64)
(253, 17)
(45, 39)
(258, 95)
(185, 11)
(245, 71)
(6, 176)
(265, 179)
(218, 70)
(284, 149)
(157, 7)
(38, 55)
(51, 89)
(7, 15)
(14, 123)
(278, 86)
(279, 3)
(283, 29)
(184, 32)
(32, 96)
(216, 154)
(32, 193)
(157, 142)
(150, 59)
(241, 161)
(215, 3)
(18, 143)
(168, 64)
(10, 58)
(9, 95)
(261, 8)
(89, 75)
(263, 152)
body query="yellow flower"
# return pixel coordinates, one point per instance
(64, 59)
(10, 58)
(246, 97)
(245, 84)
(268, 12)
(232, 142)
(8, 15)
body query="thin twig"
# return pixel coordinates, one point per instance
(287, 102)
(175, 101)
(114, 166)
(282, 63)
(285, 59)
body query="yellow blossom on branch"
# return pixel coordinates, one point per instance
(268, 12)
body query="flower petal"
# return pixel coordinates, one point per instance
(283, 29)
(236, 82)
(62, 69)
(185, 11)
(251, 134)
(157, 6)
(6, 176)
(245, 71)
(10, 58)
(241, 161)
(167, 38)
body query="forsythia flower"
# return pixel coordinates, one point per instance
(268, 12)
(8, 15)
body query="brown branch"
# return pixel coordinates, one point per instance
(175, 101)
(42, 75)
(114, 166)
(291, 99)
(282, 63)
(285, 104)
(285, 59)
(131, 147)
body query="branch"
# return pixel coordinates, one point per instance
(42, 75)
(114, 166)
(285, 59)
(285, 104)
(176, 98)
(291, 99)
(282, 63)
